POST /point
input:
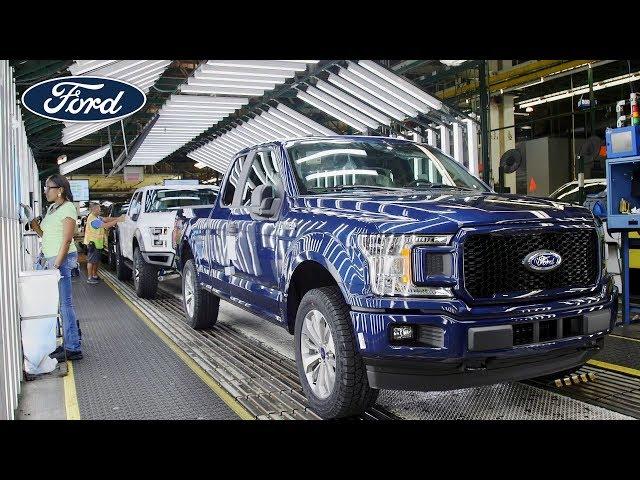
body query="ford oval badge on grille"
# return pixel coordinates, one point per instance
(83, 99)
(542, 261)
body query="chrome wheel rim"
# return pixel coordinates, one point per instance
(188, 290)
(318, 354)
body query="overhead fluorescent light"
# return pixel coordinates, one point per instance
(253, 92)
(390, 88)
(83, 160)
(328, 109)
(81, 67)
(376, 91)
(552, 97)
(295, 129)
(307, 121)
(344, 108)
(291, 121)
(246, 72)
(190, 99)
(352, 102)
(230, 84)
(452, 63)
(263, 64)
(401, 83)
(285, 129)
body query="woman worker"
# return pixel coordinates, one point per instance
(57, 229)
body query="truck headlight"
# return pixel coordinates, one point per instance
(158, 230)
(389, 260)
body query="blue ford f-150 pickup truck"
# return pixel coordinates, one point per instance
(395, 268)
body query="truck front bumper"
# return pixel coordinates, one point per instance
(162, 259)
(454, 373)
(462, 349)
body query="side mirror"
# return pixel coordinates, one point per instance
(264, 202)
(134, 213)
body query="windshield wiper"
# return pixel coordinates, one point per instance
(340, 188)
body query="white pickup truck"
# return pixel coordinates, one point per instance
(144, 243)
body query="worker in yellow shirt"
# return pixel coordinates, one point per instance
(94, 236)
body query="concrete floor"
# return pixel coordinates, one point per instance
(43, 398)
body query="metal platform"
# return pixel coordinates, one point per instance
(254, 361)
(127, 371)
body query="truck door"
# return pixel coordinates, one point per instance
(127, 228)
(216, 232)
(254, 282)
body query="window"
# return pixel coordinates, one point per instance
(232, 181)
(134, 206)
(164, 200)
(264, 170)
(328, 165)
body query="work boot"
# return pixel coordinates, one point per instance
(92, 281)
(71, 355)
(56, 351)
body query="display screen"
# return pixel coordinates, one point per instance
(621, 142)
(80, 190)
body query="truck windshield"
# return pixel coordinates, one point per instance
(331, 165)
(163, 200)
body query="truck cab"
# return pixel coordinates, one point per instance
(144, 247)
(395, 268)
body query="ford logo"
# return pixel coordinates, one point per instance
(542, 261)
(83, 99)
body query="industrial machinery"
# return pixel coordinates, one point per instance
(623, 196)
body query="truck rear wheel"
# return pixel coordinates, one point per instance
(330, 368)
(145, 276)
(123, 272)
(200, 307)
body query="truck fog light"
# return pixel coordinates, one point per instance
(402, 332)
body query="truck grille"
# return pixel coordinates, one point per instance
(493, 262)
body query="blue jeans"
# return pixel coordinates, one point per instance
(69, 320)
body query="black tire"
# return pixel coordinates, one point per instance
(146, 282)
(205, 305)
(123, 272)
(112, 258)
(351, 393)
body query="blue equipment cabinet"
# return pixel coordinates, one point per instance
(623, 182)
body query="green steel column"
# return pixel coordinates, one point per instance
(484, 121)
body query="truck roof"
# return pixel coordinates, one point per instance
(179, 187)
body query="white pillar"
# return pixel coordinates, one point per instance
(472, 146)
(431, 137)
(458, 144)
(445, 143)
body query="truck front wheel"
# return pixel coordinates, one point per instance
(330, 368)
(145, 276)
(200, 307)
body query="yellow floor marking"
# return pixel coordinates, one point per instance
(625, 338)
(233, 404)
(614, 367)
(70, 396)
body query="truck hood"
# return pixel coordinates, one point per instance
(440, 211)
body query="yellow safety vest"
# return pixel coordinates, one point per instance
(95, 235)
